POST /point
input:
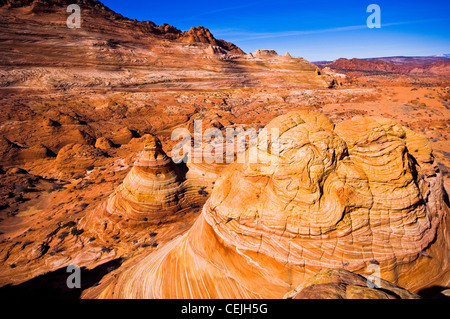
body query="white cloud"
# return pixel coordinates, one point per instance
(239, 35)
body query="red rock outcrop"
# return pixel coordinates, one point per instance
(346, 196)
(194, 35)
(127, 54)
(12, 154)
(203, 35)
(261, 52)
(75, 159)
(103, 143)
(77, 88)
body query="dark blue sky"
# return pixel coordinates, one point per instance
(316, 30)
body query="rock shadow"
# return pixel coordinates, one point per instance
(433, 292)
(53, 285)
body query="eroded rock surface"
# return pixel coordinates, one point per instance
(339, 196)
(343, 284)
(152, 193)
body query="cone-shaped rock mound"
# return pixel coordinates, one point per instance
(151, 193)
(321, 196)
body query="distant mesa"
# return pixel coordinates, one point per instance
(362, 192)
(439, 66)
(261, 52)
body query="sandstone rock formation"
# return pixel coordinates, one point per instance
(362, 192)
(123, 57)
(103, 143)
(343, 284)
(74, 159)
(65, 86)
(151, 194)
(203, 35)
(194, 35)
(12, 153)
(260, 52)
(122, 136)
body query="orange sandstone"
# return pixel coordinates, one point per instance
(341, 196)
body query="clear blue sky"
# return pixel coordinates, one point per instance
(315, 30)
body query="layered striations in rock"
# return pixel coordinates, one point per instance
(415, 66)
(343, 284)
(152, 193)
(366, 191)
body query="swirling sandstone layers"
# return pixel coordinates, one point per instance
(366, 191)
(152, 193)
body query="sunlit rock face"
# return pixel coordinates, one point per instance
(75, 159)
(151, 193)
(365, 191)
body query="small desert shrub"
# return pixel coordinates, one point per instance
(69, 224)
(203, 192)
